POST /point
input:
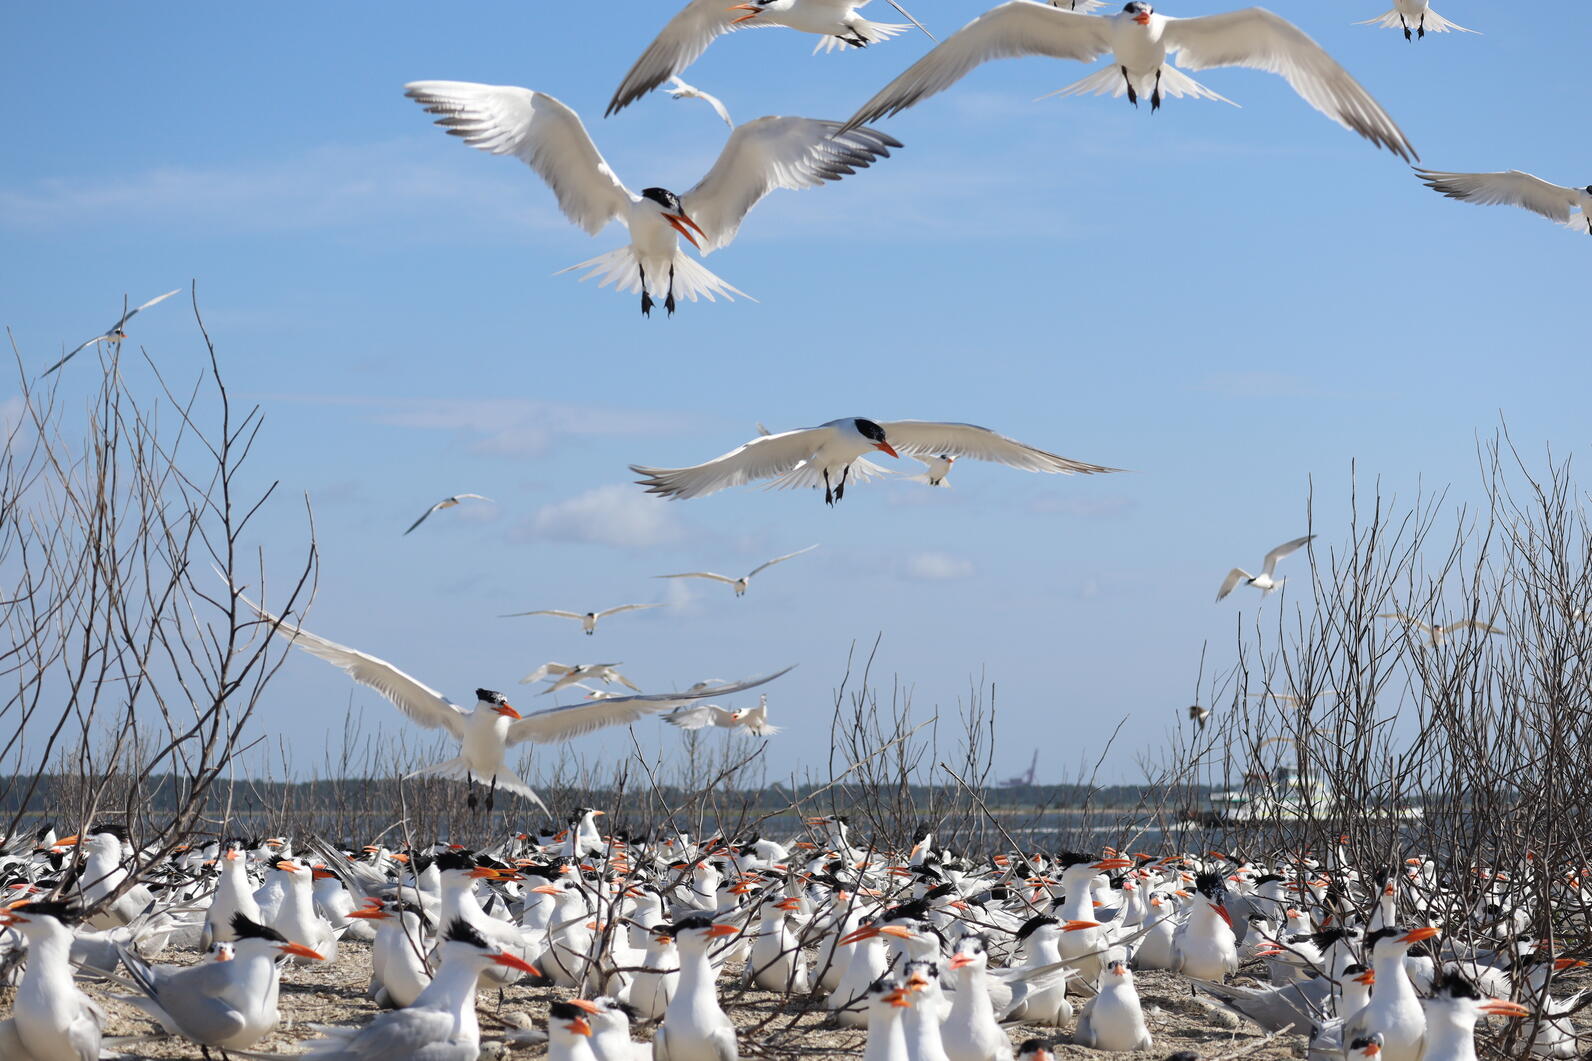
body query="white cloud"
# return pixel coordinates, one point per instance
(932, 566)
(618, 515)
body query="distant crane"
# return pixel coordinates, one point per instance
(1023, 779)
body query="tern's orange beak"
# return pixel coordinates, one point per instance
(1142, 18)
(70, 841)
(1079, 926)
(723, 930)
(484, 873)
(547, 889)
(1367, 978)
(1372, 1049)
(885, 447)
(679, 221)
(299, 950)
(960, 960)
(507, 712)
(1225, 915)
(370, 913)
(1418, 934)
(789, 904)
(865, 932)
(579, 1026)
(898, 998)
(1502, 1007)
(1561, 964)
(505, 958)
(587, 1005)
(753, 8)
(287, 867)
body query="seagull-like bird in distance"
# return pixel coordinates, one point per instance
(564, 675)
(1265, 581)
(754, 720)
(486, 732)
(1417, 14)
(680, 90)
(588, 620)
(739, 584)
(1436, 633)
(828, 453)
(760, 156)
(935, 468)
(701, 22)
(1140, 42)
(1571, 207)
(447, 502)
(1199, 714)
(114, 334)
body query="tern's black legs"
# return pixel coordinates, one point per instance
(1406, 26)
(646, 297)
(1155, 97)
(829, 495)
(1133, 97)
(491, 794)
(668, 302)
(840, 491)
(474, 801)
(1421, 30)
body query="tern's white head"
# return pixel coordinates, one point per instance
(1140, 11)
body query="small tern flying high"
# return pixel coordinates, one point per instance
(1515, 188)
(745, 580)
(680, 90)
(826, 455)
(1265, 582)
(1140, 41)
(447, 502)
(760, 155)
(565, 675)
(114, 334)
(587, 620)
(1439, 633)
(1414, 17)
(701, 22)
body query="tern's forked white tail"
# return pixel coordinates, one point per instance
(459, 770)
(1108, 81)
(621, 268)
(872, 32)
(1431, 22)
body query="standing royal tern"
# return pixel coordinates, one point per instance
(588, 620)
(50, 1018)
(1414, 17)
(1140, 41)
(680, 90)
(760, 156)
(1515, 188)
(739, 584)
(701, 22)
(447, 502)
(826, 454)
(487, 732)
(114, 334)
(1265, 582)
(564, 675)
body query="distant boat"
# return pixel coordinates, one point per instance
(1278, 795)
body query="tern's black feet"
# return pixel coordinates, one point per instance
(668, 303)
(1155, 97)
(474, 802)
(646, 304)
(1421, 29)
(1133, 97)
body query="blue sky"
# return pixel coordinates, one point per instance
(1230, 302)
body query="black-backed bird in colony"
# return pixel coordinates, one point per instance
(826, 456)
(759, 156)
(741, 584)
(486, 732)
(447, 502)
(114, 334)
(1140, 42)
(838, 23)
(588, 620)
(1415, 18)
(1570, 207)
(1266, 581)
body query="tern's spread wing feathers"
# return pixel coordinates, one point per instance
(538, 130)
(111, 333)
(779, 560)
(808, 475)
(562, 723)
(726, 579)
(427, 512)
(680, 90)
(1260, 40)
(555, 669)
(1512, 188)
(1234, 576)
(414, 698)
(627, 608)
(912, 437)
(771, 153)
(546, 611)
(1283, 550)
(762, 458)
(681, 43)
(1017, 28)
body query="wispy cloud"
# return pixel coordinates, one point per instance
(617, 515)
(935, 566)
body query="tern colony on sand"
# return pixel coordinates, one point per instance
(1266, 581)
(588, 620)
(739, 584)
(938, 954)
(828, 454)
(1141, 42)
(486, 732)
(447, 502)
(760, 156)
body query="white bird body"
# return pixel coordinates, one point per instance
(297, 919)
(447, 502)
(234, 895)
(971, 1031)
(760, 156)
(1395, 1009)
(1439, 633)
(887, 1037)
(563, 675)
(51, 1020)
(103, 873)
(694, 1027)
(753, 720)
(398, 968)
(1204, 946)
(650, 991)
(588, 620)
(678, 89)
(776, 962)
(1416, 18)
(740, 585)
(1570, 207)
(1139, 41)
(1114, 1019)
(1267, 579)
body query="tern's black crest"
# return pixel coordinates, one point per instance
(1356, 969)
(455, 860)
(66, 913)
(664, 198)
(1138, 7)
(1068, 859)
(490, 696)
(1380, 934)
(1032, 925)
(247, 929)
(1453, 984)
(114, 828)
(694, 921)
(874, 433)
(1033, 1046)
(565, 1011)
(461, 932)
(1211, 885)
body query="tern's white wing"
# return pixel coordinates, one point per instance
(111, 332)
(1283, 550)
(556, 669)
(692, 718)
(546, 611)
(562, 723)
(444, 503)
(969, 440)
(1232, 579)
(726, 579)
(770, 153)
(1260, 40)
(810, 475)
(1017, 28)
(681, 43)
(779, 560)
(762, 458)
(1431, 22)
(136, 310)
(539, 131)
(419, 701)
(680, 90)
(1513, 188)
(627, 608)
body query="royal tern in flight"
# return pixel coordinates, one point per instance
(680, 90)
(1438, 634)
(739, 584)
(447, 502)
(487, 732)
(1139, 41)
(826, 454)
(701, 22)
(760, 156)
(936, 467)
(587, 620)
(753, 720)
(1414, 17)
(1515, 188)
(564, 675)
(1265, 582)
(114, 334)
